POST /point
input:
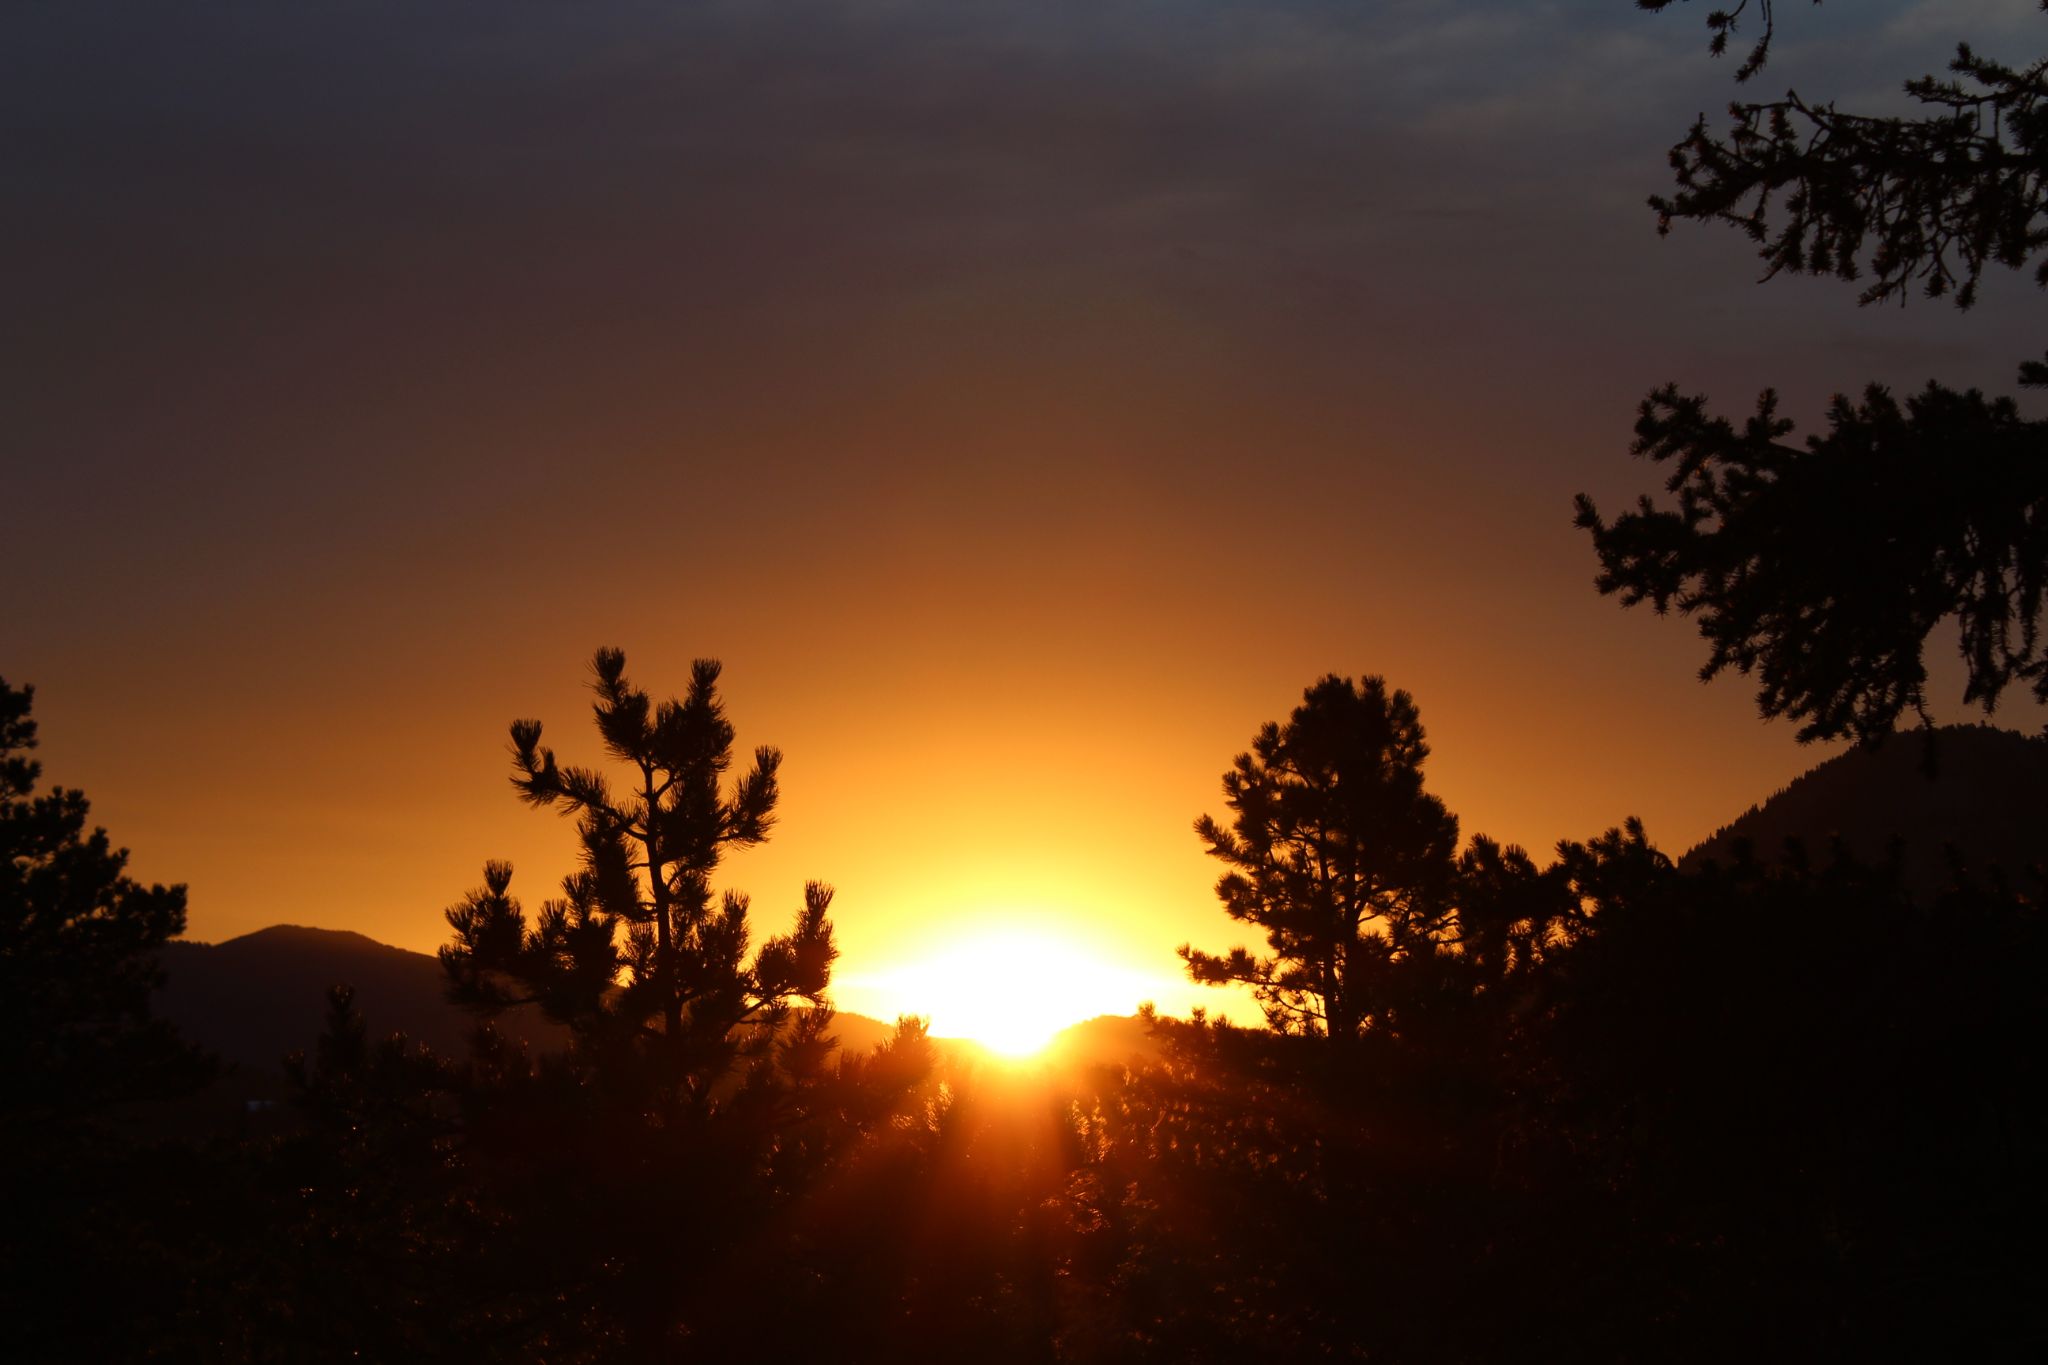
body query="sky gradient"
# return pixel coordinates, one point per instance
(1024, 400)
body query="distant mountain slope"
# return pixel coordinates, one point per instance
(858, 1033)
(1988, 798)
(1105, 1040)
(253, 999)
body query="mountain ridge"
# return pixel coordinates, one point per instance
(254, 998)
(1986, 797)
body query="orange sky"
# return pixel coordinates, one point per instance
(1025, 404)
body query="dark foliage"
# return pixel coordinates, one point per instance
(1930, 201)
(1631, 1112)
(1823, 570)
(1808, 1097)
(1608, 1108)
(80, 1053)
(694, 1100)
(691, 1003)
(1338, 854)
(656, 1190)
(78, 949)
(1741, 1105)
(1724, 24)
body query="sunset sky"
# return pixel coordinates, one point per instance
(1025, 399)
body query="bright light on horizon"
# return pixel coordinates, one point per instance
(1009, 988)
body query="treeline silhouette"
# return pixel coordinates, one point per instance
(1603, 1108)
(1779, 1102)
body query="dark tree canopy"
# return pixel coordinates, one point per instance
(1337, 853)
(78, 948)
(1932, 200)
(680, 989)
(1724, 24)
(1822, 570)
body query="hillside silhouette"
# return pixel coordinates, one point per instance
(1639, 1111)
(1106, 1040)
(251, 1000)
(1987, 798)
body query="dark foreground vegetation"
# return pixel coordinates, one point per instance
(1602, 1109)
(1778, 1102)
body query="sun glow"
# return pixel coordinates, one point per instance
(1008, 989)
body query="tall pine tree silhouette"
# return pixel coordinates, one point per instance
(1338, 854)
(82, 1193)
(639, 955)
(78, 949)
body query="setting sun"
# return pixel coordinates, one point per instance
(892, 680)
(1009, 989)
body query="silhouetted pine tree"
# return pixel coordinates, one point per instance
(1338, 854)
(641, 1181)
(1822, 569)
(1798, 1107)
(78, 950)
(679, 993)
(83, 1190)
